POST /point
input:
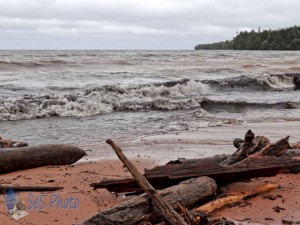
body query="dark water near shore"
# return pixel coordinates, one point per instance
(84, 97)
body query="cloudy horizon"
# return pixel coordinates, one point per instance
(136, 24)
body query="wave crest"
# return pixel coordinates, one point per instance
(251, 82)
(104, 99)
(31, 64)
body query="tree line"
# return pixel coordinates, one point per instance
(281, 39)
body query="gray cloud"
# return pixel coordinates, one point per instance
(136, 24)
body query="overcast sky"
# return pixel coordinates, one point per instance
(136, 24)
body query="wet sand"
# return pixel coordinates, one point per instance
(146, 152)
(204, 142)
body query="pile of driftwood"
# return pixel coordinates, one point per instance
(188, 182)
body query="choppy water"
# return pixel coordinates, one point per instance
(83, 97)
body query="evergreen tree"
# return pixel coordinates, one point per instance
(281, 39)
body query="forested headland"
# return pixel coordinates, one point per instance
(281, 39)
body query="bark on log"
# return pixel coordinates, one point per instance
(12, 144)
(258, 145)
(251, 145)
(118, 185)
(167, 211)
(171, 174)
(264, 148)
(138, 209)
(207, 160)
(14, 159)
(295, 145)
(277, 149)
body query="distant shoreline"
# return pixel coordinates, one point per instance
(287, 39)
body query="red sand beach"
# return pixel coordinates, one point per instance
(76, 181)
(146, 152)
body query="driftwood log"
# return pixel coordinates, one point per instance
(13, 159)
(201, 214)
(295, 145)
(3, 189)
(175, 172)
(258, 145)
(255, 157)
(6, 143)
(140, 209)
(166, 210)
(219, 203)
(129, 185)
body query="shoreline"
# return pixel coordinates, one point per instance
(147, 152)
(203, 142)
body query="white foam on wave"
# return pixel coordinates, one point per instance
(276, 82)
(254, 82)
(104, 100)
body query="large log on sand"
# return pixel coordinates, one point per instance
(13, 159)
(140, 209)
(172, 173)
(129, 184)
(252, 167)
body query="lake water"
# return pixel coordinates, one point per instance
(84, 97)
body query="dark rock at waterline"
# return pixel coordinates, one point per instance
(296, 81)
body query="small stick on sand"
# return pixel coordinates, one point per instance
(3, 189)
(222, 202)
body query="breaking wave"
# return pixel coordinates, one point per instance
(241, 106)
(170, 95)
(104, 99)
(257, 82)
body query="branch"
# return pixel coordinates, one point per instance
(3, 189)
(168, 212)
(222, 202)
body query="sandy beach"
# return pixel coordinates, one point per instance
(147, 152)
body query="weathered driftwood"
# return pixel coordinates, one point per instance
(207, 160)
(3, 189)
(250, 168)
(237, 142)
(249, 146)
(258, 145)
(129, 185)
(14, 159)
(295, 145)
(222, 202)
(277, 149)
(259, 148)
(11, 144)
(200, 215)
(171, 174)
(166, 210)
(140, 209)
